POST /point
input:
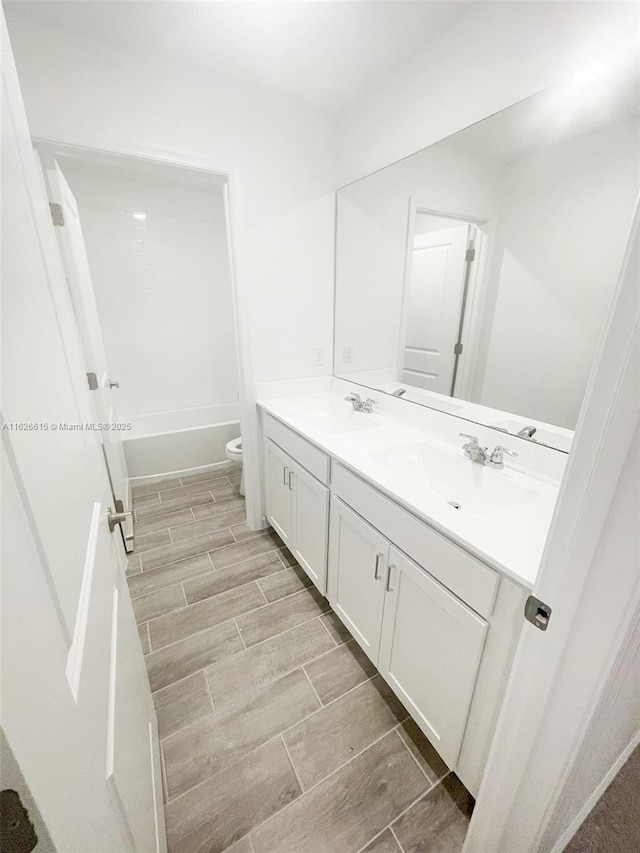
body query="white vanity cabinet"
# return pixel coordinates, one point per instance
(297, 503)
(356, 584)
(430, 652)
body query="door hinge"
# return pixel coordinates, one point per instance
(470, 255)
(537, 612)
(57, 215)
(457, 350)
(92, 379)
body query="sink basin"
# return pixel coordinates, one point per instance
(465, 485)
(337, 421)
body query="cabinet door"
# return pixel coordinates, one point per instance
(430, 653)
(357, 568)
(278, 494)
(309, 523)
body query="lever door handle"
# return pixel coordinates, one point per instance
(115, 518)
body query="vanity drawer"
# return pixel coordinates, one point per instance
(468, 578)
(314, 460)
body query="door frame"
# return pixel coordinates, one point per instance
(476, 290)
(234, 227)
(531, 755)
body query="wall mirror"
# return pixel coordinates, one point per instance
(474, 276)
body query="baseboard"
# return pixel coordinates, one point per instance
(575, 825)
(224, 467)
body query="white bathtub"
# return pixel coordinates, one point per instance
(166, 443)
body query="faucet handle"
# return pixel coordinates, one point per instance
(352, 396)
(499, 449)
(472, 438)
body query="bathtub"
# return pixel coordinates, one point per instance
(166, 443)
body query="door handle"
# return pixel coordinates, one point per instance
(111, 384)
(290, 479)
(390, 588)
(284, 476)
(114, 518)
(379, 557)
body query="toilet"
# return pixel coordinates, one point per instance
(233, 451)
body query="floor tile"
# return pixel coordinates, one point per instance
(217, 486)
(168, 575)
(281, 615)
(237, 680)
(330, 737)
(181, 659)
(243, 550)
(209, 818)
(182, 550)
(221, 504)
(234, 478)
(144, 638)
(384, 843)
(286, 556)
(205, 614)
(338, 671)
(438, 822)
(342, 813)
(148, 541)
(181, 516)
(158, 603)
(145, 513)
(336, 628)
(150, 499)
(182, 703)
(426, 756)
(222, 580)
(242, 846)
(211, 474)
(243, 531)
(155, 486)
(206, 525)
(212, 743)
(133, 565)
(284, 583)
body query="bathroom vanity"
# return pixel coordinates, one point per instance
(425, 556)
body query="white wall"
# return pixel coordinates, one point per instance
(563, 226)
(91, 93)
(162, 286)
(498, 54)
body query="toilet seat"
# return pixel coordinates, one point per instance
(234, 449)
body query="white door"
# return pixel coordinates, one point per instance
(76, 264)
(82, 730)
(430, 653)
(309, 517)
(357, 568)
(433, 308)
(278, 467)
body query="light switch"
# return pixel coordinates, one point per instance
(318, 356)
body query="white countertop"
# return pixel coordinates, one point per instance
(509, 538)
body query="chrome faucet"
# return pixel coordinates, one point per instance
(527, 432)
(359, 404)
(399, 392)
(476, 453)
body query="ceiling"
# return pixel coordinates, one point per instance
(318, 51)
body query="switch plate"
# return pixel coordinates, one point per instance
(347, 354)
(317, 358)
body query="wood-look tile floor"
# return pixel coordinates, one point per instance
(277, 733)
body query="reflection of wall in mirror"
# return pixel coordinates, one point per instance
(372, 241)
(563, 227)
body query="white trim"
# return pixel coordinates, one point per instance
(577, 822)
(527, 767)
